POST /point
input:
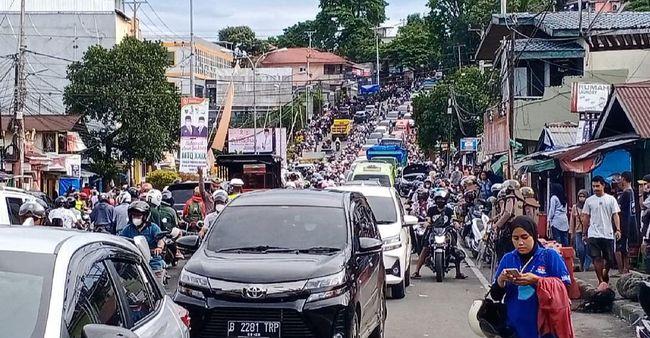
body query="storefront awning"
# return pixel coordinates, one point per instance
(535, 165)
(584, 158)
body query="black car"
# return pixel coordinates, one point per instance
(288, 264)
(412, 176)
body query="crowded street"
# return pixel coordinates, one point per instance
(324, 169)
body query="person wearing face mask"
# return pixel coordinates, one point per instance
(577, 231)
(439, 215)
(520, 274)
(139, 225)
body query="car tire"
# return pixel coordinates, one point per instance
(398, 291)
(407, 275)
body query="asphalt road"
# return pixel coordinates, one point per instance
(433, 309)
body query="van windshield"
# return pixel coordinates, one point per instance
(384, 180)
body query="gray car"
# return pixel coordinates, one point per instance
(66, 283)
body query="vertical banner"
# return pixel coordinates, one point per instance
(194, 134)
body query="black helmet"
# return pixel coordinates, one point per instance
(141, 207)
(31, 208)
(70, 202)
(167, 197)
(135, 194)
(59, 202)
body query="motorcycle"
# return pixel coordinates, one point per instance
(474, 229)
(440, 245)
(170, 237)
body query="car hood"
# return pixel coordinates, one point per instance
(265, 268)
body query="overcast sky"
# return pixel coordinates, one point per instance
(266, 17)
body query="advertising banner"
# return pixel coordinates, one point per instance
(589, 97)
(269, 141)
(194, 134)
(469, 144)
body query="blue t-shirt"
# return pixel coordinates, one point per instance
(149, 232)
(521, 302)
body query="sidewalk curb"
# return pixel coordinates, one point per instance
(627, 310)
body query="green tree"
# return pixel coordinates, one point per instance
(414, 47)
(296, 35)
(244, 37)
(639, 5)
(472, 92)
(124, 97)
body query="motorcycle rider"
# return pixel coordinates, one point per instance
(512, 207)
(220, 198)
(154, 198)
(62, 216)
(434, 215)
(70, 203)
(121, 212)
(168, 215)
(31, 213)
(237, 187)
(140, 225)
(531, 205)
(102, 215)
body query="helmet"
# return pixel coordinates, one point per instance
(42, 203)
(167, 197)
(496, 187)
(470, 195)
(472, 318)
(511, 185)
(467, 181)
(492, 200)
(141, 207)
(502, 193)
(440, 193)
(133, 191)
(70, 202)
(154, 196)
(103, 197)
(59, 202)
(124, 197)
(236, 182)
(31, 208)
(527, 192)
(83, 196)
(220, 196)
(422, 193)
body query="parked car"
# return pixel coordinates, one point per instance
(392, 115)
(67, 283)
(10, 201)
(287, 264)
(393, 226)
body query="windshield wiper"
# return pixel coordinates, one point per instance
(386, 222)
(259, 248)
(319, 249)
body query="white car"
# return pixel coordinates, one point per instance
(67, 283)
(10, 201)
(393, 226)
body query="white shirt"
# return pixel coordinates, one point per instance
(601, 209)
(66, 215)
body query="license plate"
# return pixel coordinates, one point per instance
(261, 329)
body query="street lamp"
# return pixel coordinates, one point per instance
(242, 54)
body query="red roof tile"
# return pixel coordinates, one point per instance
(46, 122)
(635, 100)
(299, 56)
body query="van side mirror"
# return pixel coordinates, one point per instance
(189, 243)
(143, 247)
(106, 331)
(370, 245)
(410, 220)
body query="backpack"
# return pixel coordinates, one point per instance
(195, 212)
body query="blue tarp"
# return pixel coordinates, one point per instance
(67, 182)
(614, 162)
(399, 153)
(369, 89)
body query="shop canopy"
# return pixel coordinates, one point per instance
(584, 158)
(532, 165)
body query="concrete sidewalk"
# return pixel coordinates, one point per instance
(629, 311)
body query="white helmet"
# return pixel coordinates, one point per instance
(154, 196)
(236, 182)
(124, 197)
(472, 318)
(220, 196)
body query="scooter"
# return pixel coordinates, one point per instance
(475, 229)
(170, 237)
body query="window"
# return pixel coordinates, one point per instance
(97, 303)
(49, 142)
(137, 288)
(171, 59)
(303, 70)
(13, 205)
(63, 142)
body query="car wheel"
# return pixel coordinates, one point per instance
(407, 275)
(398, 291)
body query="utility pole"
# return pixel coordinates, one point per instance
(460, 60)
(310, 105)
(377, 45)
(450, 112)
(511, 105)
(135, 5)
(192, 59)
(19, 100)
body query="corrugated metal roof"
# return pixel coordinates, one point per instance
(561, 134)
(601, 21)
(46, 122)
(299, 56)
(545, 45)
(635, 100)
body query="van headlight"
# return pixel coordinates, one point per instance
(392, 243)
(326, 287)
(191, 284)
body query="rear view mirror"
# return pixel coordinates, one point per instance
(143, 246)
(410, 220)
(106, 331)
(189, 243)
(369, 245)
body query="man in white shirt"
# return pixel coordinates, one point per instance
(600, 215)
(61, 216)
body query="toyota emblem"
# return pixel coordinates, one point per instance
(254, 292)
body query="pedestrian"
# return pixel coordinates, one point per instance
(629, 231)
(578, 237)
(557, 215)
(485, 185)
(600, 215)
(520, 272)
